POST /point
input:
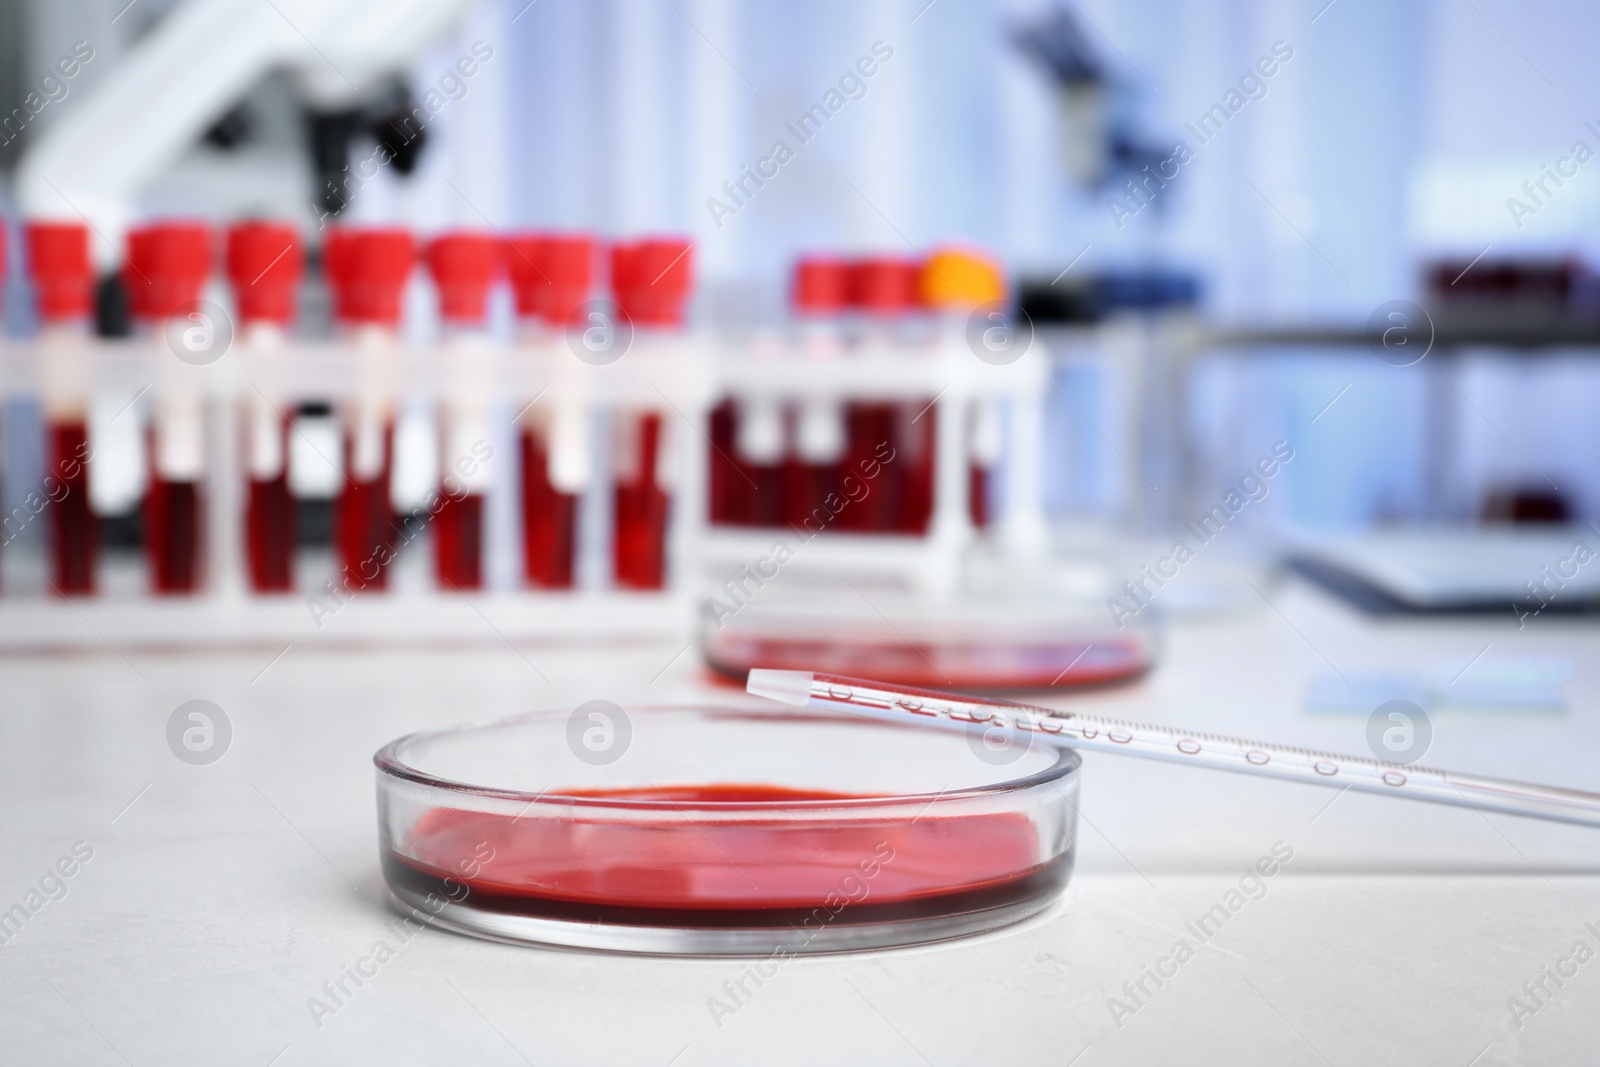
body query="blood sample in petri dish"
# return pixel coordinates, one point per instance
(725, 874)
(983, 643)
(911, 839)
(552, 276)
(464, 266)
(63, 278)
(167, 267)
(651, 281)
(367, 270)
(265, 263)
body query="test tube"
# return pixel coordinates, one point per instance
(986, 442)
(821, 299)
(367, 270)
(954, 283)
(759, 447)
(552, 276)
(464, 266)
(63, 278)
(168, 264)
(726, 488)
(651, 280)
(886, 293)
(265, 263)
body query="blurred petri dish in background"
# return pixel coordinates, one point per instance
(967, 643)
(723, 831)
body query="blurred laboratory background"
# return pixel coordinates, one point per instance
(1321, 274)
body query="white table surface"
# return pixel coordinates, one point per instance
(220, 901)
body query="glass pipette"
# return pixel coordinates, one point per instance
(1067, 729)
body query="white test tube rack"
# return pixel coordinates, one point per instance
(681, 381)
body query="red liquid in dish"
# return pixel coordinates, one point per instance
(766, 867)
(74, 527)
(970, 664)
(549, 520)
(458, 532)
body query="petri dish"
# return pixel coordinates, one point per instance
(721, 830)
(972, 643)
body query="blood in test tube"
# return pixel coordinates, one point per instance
(748, 470)
(984, 453)
(957, 283)
(63, 278)
(464, 266)
(265, 263)
(727, 491)
(885, 292)
(552, 277)
(651, 281)
(759, 448)
(167, 267)
(367, 270)
(821, 298)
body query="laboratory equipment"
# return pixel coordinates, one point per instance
(368, 269)
(719, 831)
(1004, 724)
(265, 262)
(58, 258)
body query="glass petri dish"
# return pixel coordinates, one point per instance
(721, 831)
(986, 643)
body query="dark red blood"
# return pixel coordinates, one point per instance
(458, 532)
(74, 527)
(271, 533)
(549, 520)
(172, 535)
(364, 523)
(641, 507)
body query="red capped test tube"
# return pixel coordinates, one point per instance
(821, 299)
(168, 264)
(265, 263)
(63, 278)
(367, 269)
(651, 280)
(464, 266)
(552, 276)
(885, 293)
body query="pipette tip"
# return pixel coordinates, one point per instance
(786, 687)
